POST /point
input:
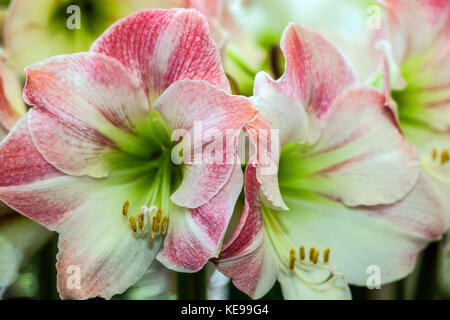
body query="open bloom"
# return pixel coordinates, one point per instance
(343, 194)
(92, 158)
(35, 30)
(417, 40)
(20, 237)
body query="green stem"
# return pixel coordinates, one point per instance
(192, 286)
(47, 271)
(428, 270)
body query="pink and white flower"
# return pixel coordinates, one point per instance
(346, 192)
(92, 159)
(417, 81)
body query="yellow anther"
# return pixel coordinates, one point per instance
(292, 259)
(164, 221)
(434, 154)
(133, 224)
(445, 156)
(302, 253)
(326, 255)
(125, 207)
(154, 224)
(141, 220)
(315, 256)
(311, 253)
(158, 215)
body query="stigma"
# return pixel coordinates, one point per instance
(150, 221)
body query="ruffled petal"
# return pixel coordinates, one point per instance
(316, 71)
(163, 46)
(213, 120)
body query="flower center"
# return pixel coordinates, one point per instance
(305, 265)
(153, 177)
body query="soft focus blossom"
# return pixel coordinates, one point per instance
(92, 159)
(346, 193)
(418, 80)
(35, 30)
(351, 24)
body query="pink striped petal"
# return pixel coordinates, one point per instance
(405, 16)
(195, 235)
(316, 71)
(86, 108)
(163, 46)
(246, 258)
(361, 157)
(32, 186)
(196, 106)
(11, 104)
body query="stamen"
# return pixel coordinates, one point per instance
(141, 220)
(164, 221)
(302, 253)
(434, 155)
(326, 255)
(125, 207)
(311, 253)
(158, 215)
(133, 224)
(315, 256)
(445, 156)
(155, 224)
(292, 259)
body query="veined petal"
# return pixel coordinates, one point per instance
(163, 46)
(195, 235)
(11, 104)
(87, 106)
(98, 242)
(20, 239)
(316, 71)
(245, 257)
(361, 157)
(32, 186)
(213, 118)
(389, 237)
(86, 212)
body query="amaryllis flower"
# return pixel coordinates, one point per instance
(53, 28)
(342, 198)
(92, 159)
(20, 237)
(418, 63)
